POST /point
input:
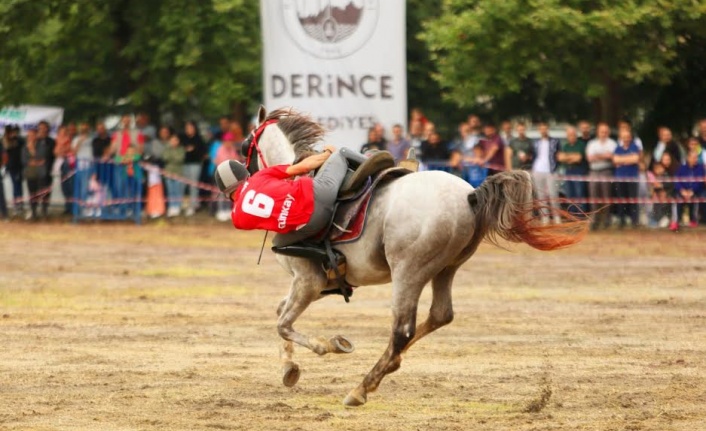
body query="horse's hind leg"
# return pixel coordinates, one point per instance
(441, 312)
(405, 299)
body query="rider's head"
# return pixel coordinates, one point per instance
(229, 175)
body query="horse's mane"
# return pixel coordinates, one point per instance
(301, 130)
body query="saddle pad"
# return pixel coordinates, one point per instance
(349, 220)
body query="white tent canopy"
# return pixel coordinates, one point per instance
(29, 116)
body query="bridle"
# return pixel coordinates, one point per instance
(251, 142)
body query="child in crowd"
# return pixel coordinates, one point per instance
(155, 192)
(690, 187)
(173, 157)
(662, 212)
(130, 179)
(475, 172)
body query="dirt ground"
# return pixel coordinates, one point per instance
(159, 327)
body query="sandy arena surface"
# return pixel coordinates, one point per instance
(119, 327)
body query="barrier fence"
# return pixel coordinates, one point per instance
(107, 190)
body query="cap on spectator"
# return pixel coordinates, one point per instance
(229, 174)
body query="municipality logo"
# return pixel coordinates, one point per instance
(330, 29)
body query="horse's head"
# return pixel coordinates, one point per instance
(278, 138)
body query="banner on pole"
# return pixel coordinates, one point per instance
(29, 116)
(341, 61)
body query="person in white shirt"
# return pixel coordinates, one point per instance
(599, 153)
(544, 164)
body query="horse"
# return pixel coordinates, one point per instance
(420, 227)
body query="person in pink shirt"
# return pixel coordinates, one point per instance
(226, 151)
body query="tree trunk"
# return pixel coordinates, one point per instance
(611, 102)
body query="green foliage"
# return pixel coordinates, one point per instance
(490, 49)
(159, 55)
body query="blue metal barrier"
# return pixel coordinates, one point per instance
(472, 174)
(107, 191)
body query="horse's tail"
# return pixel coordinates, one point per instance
(505, 208)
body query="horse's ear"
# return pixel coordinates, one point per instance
(261, 115)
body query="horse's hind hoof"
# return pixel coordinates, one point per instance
(340, 344)
(354, 400)
(290, 375)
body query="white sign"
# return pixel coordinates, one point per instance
(29, 116)
(341, 61)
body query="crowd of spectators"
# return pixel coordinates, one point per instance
(605, 173)
(136, 159)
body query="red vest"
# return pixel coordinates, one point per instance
(270, 200)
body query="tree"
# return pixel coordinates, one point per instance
(159, 55)
(598, 51)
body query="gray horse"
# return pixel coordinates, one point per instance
(420, 228)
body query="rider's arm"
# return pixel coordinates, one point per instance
(309, 164)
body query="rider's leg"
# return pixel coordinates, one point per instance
(326, 184)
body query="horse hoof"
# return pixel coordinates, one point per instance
(291, 374)
(354, 400)
(341, 344)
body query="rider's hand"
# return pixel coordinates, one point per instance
(330, 148)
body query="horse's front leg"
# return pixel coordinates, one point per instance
(309, 281)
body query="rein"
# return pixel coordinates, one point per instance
(253, 143)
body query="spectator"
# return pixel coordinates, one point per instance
(429, 128)
(519, 154)
(417, 115)
(585, 135)
(64, 163)
(493, 150)
(101, 143)
(13, 145)
(46, 146)
(237, 131)
(224, 124)
(702, 133)
(128, 169)
(155, 206)
(416, 136)
(195, 151)
(381, 134)
(226, 151)
(626, 160)
(126, 137)
(435, 153)
(81, 144)
(3, 162)
(506, 132)
(154, 149)
(573, 160)
(693, 145)
(475, 173)
(398, 146)
(35, 158)
(145, 127)
(374, 142)
(690, 187)
(625, 125)
(174, 156)
(661, 191)
(71, 130)
(544, 163)
(667, 144)
(476, 134)
(599, 154)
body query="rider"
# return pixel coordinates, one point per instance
(284, 199)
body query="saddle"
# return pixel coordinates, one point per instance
(347, 225)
